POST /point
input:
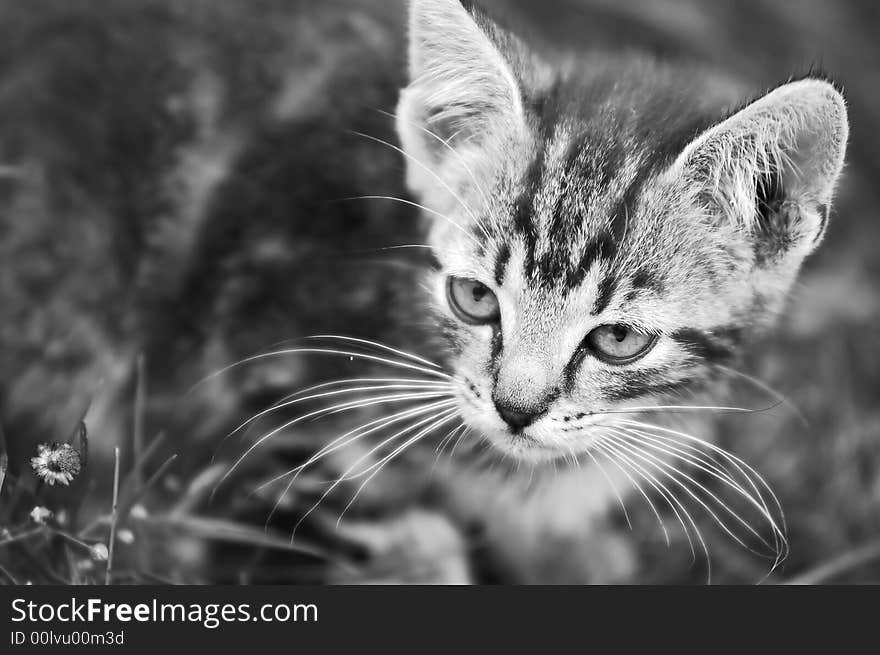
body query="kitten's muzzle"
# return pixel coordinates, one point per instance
(525, 383)
(518, 418)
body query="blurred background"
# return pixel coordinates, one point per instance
(169, 182)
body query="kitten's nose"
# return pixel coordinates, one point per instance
(516, 417)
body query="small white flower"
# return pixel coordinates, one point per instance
(138, 512)
(56, 463)
(40, 514)
(126, 536)
(100, 552)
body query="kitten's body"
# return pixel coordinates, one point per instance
(215, 197)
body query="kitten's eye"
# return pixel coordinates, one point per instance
(472, 301)
(619, 344)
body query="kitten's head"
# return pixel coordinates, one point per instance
(606, 234)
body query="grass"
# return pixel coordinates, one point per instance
(127, 536)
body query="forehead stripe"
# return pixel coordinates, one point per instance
(523, 219)
(602, 247)
(501, 260)
(644, 279)
(605, 291)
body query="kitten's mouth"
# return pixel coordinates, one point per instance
(523, 438)
(515, 442)
(521, 445)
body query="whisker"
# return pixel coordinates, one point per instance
(780, 546)
(450, 414)
(378, 345)
(351, 468)
(353, 435)
(322, 351)
(672, 409)
(344, 407)
(447, 440)
(602, 445)
(292, 399)
(385, 422)
(741, 466)
(672, 500)
(623, 463)
(685, 452)
(433, 174)
(341, 381)
(411, 203)
(417, 411)
(444, 442)
(613, 487)
(464, 433)
(355, 381)
(709, 467)
(575, 463)
(283, 401)
(448, 410)
(406, 246)
(448, 146)
(357, 404)
(672, 474)
(763, 386)
(689, 454)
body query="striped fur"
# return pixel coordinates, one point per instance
(599, 192)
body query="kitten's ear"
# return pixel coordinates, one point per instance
(461, 85)
(772, 167)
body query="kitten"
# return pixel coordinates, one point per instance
(609, 235)
(606, 235)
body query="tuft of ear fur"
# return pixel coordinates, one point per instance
(461, 87)
(772, 167)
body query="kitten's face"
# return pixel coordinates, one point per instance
(600, 304)
(601, 245)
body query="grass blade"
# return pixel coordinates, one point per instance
(4, 459)
(114, 516)
(229, 531)
(140, 398)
